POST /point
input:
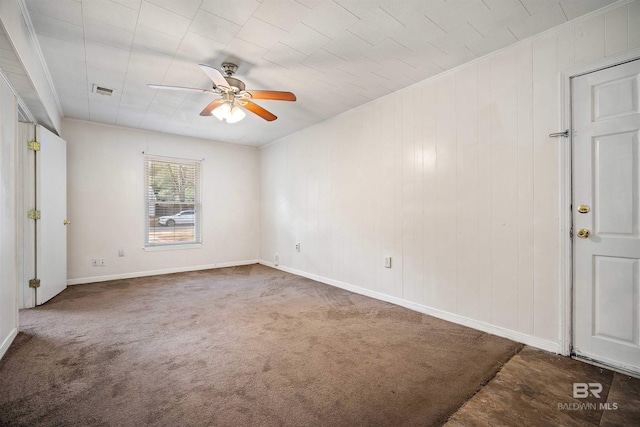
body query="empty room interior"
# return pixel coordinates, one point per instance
(319, 212)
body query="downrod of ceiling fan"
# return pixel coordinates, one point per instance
(229, 68)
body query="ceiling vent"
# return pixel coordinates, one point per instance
(102, 90)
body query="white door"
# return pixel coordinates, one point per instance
(51, 201)
(606, 205)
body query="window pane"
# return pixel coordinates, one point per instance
(173, 201)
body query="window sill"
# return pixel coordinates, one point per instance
(173, 247)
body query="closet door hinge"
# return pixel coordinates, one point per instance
(34, 214)
(34, 146)
(34, 283)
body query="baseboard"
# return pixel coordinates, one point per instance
(536, 342)
(7, 342)
(84, 280)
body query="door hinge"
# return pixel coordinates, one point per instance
(571, 232)
(34, 283)
(34, 146)
(34, 214)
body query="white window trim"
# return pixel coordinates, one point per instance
(173, 247)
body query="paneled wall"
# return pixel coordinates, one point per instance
(455, 178)
(106, 191)
(8, 233)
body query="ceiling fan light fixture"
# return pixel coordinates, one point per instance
(235, 115)
(222, 112)
(229, 113)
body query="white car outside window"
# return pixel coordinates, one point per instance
(183, 217)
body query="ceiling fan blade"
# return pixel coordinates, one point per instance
(256, 109)
(273, 95)
(216, 76)
(212, 106)
(188, 89)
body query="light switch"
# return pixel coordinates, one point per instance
(387, 262)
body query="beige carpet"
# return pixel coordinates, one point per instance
(245, 346)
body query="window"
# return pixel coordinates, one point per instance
(173, 208)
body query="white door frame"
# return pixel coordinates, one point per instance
(566, 214)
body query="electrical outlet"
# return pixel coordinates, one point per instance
(95, 262)
(298, 247)
(102, 264)
(121, 252)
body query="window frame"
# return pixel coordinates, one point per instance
(197, 203)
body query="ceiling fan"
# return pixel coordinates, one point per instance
(232, 95)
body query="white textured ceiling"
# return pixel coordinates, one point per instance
(333, 54)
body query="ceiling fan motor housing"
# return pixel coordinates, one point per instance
(229, 68)
(235, 83)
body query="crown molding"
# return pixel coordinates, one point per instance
(38, 51)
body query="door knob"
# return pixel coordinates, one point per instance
(583, 233)
(583, 209)
(66, 222)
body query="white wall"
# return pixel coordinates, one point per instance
(455, 178)
(106, 190)
(8, 235)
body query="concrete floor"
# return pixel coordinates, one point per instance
(536, 388)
